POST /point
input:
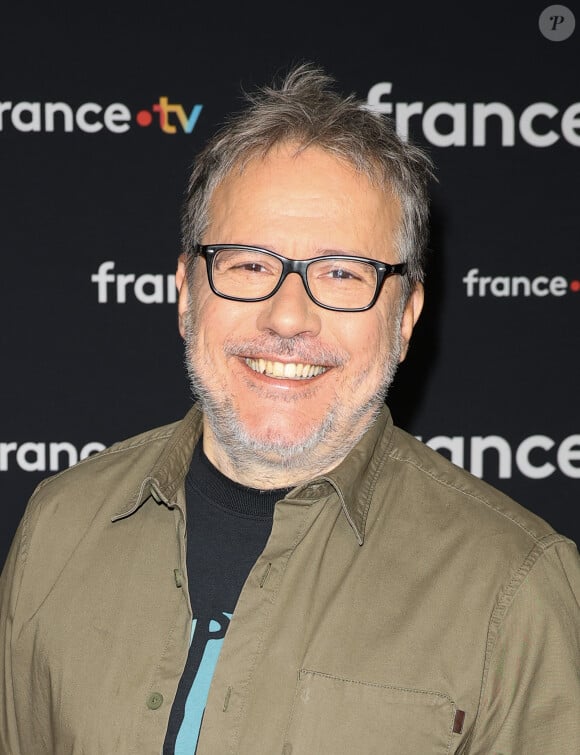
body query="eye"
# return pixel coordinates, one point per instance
(244, 262)
(341, 273)
(339, 270)
(251, 267)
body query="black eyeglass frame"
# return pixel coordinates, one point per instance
(300, 267)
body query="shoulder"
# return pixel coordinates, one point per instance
(471, 533)
(141, 449)
(102, 484)
(77, 506)
(456, 490)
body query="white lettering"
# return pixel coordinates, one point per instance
(171, 289)
(518, 285)
(5, 450)
(375, 97)
(153, 297)
(404, 111)
(30, 124)
(470, 280)
(568, 452)
(54, 455)
(34, 456)
(483, 281)
(102, 279)
(147, 288)
(558, 286)
(571, 124)
(480, 444)
(456, 137)
(481, 112)
(540, 281)
(526, 128)
(473, 118)
(566, 456)
(28, 116)
(523, 457)
(58, 107)
(4, 108)
(500, 286)
(122, 281)
(116, 117)
(37, 463)
(524, 282)
(81, 118)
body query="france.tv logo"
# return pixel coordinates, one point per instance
(92, 117)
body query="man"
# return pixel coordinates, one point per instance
(284, 571)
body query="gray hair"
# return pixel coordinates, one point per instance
(304, 108)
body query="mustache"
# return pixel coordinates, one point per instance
(297, 348)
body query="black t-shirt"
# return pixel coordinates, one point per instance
(227, 528)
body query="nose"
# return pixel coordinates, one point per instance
(290, 312)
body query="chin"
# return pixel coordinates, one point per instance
(283, 437)
(276, 443)
(278, 430)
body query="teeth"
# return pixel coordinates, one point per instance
(286, 370)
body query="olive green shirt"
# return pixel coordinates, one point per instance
(400, 606)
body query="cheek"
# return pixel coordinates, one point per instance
(203, 310)
(365, 336)
(208, 333)
(216, 321)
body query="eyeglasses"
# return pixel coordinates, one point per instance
(339, 282)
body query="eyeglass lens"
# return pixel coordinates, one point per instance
(335, 282)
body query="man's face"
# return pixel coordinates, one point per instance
(266, 429)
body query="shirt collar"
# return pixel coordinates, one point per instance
(353, 480)
(165, 481)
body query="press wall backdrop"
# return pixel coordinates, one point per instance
(101, 114)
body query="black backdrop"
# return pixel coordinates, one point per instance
(492, 377)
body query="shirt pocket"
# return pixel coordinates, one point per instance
(336, 716)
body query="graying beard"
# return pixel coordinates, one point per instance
(244, 451)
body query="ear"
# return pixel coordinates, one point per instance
(183, 293)
(411, 314)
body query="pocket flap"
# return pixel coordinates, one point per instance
(336, 716)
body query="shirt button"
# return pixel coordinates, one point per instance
(155, 700)
(287, 749)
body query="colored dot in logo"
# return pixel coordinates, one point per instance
(144, 118)
(575, 286)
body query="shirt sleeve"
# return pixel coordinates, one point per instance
(530, 703)
(10, 581)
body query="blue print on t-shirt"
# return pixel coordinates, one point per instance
(187, 737)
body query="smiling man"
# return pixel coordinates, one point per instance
(291, 379)
(284, 571)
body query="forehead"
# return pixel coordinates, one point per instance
(308, 193)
